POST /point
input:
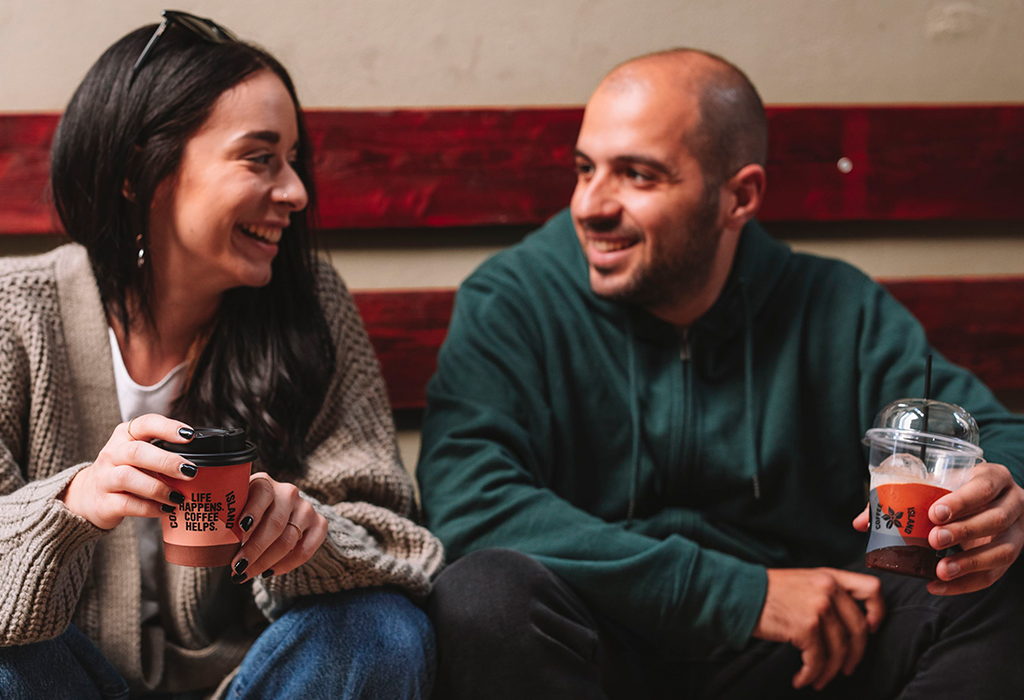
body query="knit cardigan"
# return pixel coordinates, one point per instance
(58, 407)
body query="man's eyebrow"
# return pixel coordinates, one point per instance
(631, 158)
(647, 161)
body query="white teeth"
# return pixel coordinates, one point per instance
(608, 246)
(269, 234)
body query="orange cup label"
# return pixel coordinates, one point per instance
(213, 505)
(899, 514)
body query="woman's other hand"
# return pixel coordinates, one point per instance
(122, 482)
(286, 531)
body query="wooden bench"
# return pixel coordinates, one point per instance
(427, 169)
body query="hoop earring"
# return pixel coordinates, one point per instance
(142, 252)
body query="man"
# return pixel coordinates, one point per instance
(645, 430)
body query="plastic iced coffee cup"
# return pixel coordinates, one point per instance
(920, 450)
(204, 530)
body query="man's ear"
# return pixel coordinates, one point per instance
(746, 188)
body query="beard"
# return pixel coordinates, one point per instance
(684, 270)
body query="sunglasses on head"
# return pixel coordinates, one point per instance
(202, 27)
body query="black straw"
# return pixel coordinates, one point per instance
(927, 396)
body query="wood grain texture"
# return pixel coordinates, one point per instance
(976, 323)
(477, 167)
(24, 173)
(407, 329)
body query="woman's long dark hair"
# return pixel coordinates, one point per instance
(267, 360)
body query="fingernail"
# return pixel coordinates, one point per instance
(245, 523)
(942, 513)
(237, 578)
(952, 569)
(177, 496)
(188, 470)
(166, 508)
(186, 433)
(944, 537)
(240, 565)
(268, 573)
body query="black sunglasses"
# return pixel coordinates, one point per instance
(202, 27)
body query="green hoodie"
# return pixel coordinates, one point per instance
(659, 473)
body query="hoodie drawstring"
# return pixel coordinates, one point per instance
(634, 415)
(753, 454)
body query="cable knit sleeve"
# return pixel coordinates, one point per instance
(45, 549)
(355, 479)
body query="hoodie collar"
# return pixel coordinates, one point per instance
(759, 264)
(757, 268)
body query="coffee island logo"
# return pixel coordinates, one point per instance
(893, 519)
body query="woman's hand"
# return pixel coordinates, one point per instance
(286, 531)
(121, 482)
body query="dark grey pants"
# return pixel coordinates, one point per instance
(509, 628)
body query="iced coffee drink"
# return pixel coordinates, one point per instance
(920, 451)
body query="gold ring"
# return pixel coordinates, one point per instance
(297, 528)
(130, 429)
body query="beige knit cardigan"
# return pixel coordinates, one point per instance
(58, 407)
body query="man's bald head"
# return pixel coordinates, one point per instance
(731, 131)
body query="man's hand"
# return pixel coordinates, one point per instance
(985, 517)
(815, 611)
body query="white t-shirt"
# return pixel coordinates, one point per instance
(136, 400)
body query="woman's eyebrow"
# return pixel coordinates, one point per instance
(267, 135)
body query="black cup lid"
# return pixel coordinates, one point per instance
(212, 447)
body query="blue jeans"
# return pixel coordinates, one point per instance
(368, 644)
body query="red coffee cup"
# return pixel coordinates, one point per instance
(204, 530)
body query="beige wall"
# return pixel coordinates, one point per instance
(371, 53)
(379, 53)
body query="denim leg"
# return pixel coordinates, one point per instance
(366, 644)
(69, 666)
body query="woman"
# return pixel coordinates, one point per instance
(182, 170)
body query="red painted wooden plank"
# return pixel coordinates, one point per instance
(24, 173)
(976, 323)
(444, 167)
(407, 329)
(472, 167)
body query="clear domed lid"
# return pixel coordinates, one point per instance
(926, 420)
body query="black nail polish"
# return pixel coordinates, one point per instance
(177, 496)
(240, 565)
(268, 573)
(188, 470)
(166, 508)
(186, 433)
(245, 523)
(237, 578)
